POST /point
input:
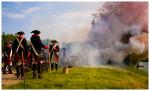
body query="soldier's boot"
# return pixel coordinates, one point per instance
(22, 75)
(34, 70)
(39, 71)
(18, 71)
(22, 71)
(52, 66)
(18, 75)
(10, 69)
(34, 75)
(56, 66)
(4, 70)
(39, 77)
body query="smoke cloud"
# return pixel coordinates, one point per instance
(139, 43)
(110, 23)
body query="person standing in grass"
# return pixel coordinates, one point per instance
(20, 52)
(7, 59)
(54, 57)
(36, 49)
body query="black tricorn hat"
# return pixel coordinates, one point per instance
(54, 41)
(36, 32)
(20, 33)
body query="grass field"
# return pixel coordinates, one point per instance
(88, 78)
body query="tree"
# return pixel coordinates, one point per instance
(7, 38)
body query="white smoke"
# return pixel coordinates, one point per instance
(135, 29)
(85, 54)
(110, 23)
(137, 46)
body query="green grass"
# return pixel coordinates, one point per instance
(88, 78)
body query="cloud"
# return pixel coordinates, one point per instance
(31, 10)
(76, 15)
(65, 27)
(71, 24)
(19, 15)
(18, 4)
(14, 15)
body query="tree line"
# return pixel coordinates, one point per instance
(7, 38)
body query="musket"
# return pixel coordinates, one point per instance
(22, 57)
(49, 57)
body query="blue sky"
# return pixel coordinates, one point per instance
(64, 21)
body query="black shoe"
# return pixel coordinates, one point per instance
(39, 77)
(17, 76)
(34, 76)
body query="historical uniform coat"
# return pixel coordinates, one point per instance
(54, 57)
(7, 59)
(20, 52)
(37, 44)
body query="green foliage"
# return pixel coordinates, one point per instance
(88, 78)
(7, 38)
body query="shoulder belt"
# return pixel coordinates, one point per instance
(36, 53)
(19, 44)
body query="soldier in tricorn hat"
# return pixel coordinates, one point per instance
(36, 46)
(20, 53)
(7, 59)
(54, 57)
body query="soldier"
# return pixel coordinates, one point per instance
(7, 59)
(20, 53)
(54, 57)
(36, 46)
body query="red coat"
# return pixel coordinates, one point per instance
(7, 59)
(54, 51)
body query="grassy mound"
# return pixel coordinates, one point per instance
(88, 78)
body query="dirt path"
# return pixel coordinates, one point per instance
(9, 79)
